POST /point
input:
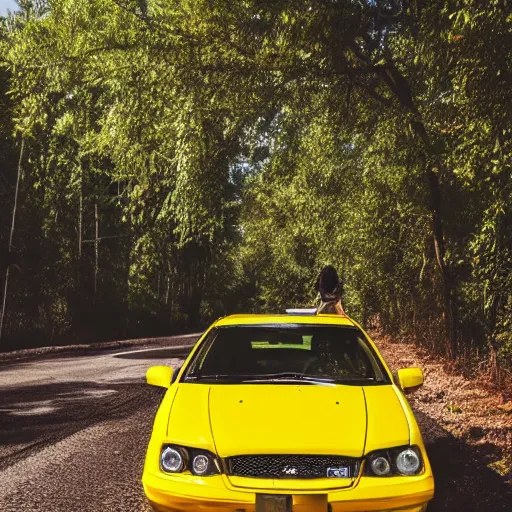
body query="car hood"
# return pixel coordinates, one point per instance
(287, 419)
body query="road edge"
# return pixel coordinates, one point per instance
(30, 353)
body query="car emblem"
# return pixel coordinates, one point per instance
(290, 470)
(338, 472)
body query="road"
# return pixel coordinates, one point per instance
(74, 429)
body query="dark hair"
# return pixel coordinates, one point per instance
(329, 284)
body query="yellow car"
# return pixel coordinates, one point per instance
(282, 413)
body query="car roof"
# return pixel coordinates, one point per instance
(276, 319)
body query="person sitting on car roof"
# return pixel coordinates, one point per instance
(330, 289)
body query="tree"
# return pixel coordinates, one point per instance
(189, 155)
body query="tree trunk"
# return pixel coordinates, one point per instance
(11, 238)
(96, 251)
(450, 319)
(80, 218)
(399, 87)
(435, 206)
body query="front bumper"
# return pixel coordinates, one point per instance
(216, 494)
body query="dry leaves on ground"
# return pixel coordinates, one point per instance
(467, 408)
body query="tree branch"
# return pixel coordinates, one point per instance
(141, 17)
(387, 102)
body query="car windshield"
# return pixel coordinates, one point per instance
(293, 354)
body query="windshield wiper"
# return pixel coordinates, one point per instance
(359, 381)
(283, 377)
(299, 378)
(218, 377)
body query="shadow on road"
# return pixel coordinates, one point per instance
(463, 481)
(34, 417)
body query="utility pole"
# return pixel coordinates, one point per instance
(11, 238)
(96, 241)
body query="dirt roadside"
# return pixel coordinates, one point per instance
(469, 410)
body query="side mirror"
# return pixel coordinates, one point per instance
(159, 376)
(410, 379)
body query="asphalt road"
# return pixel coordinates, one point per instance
(74, 429)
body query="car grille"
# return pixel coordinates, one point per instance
(289, 466)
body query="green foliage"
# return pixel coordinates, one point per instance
(232, 149)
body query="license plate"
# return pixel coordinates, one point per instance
(273, 503)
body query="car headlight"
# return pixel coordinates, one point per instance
(178, 459)
(201, 464)
(404, 460)
(408, 462)
(173, 459)
(380, 465)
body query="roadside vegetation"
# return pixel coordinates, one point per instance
(166, 162)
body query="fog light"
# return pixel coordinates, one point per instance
(408, 462)
(171, 460)
(380, 466)
(200, 464)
